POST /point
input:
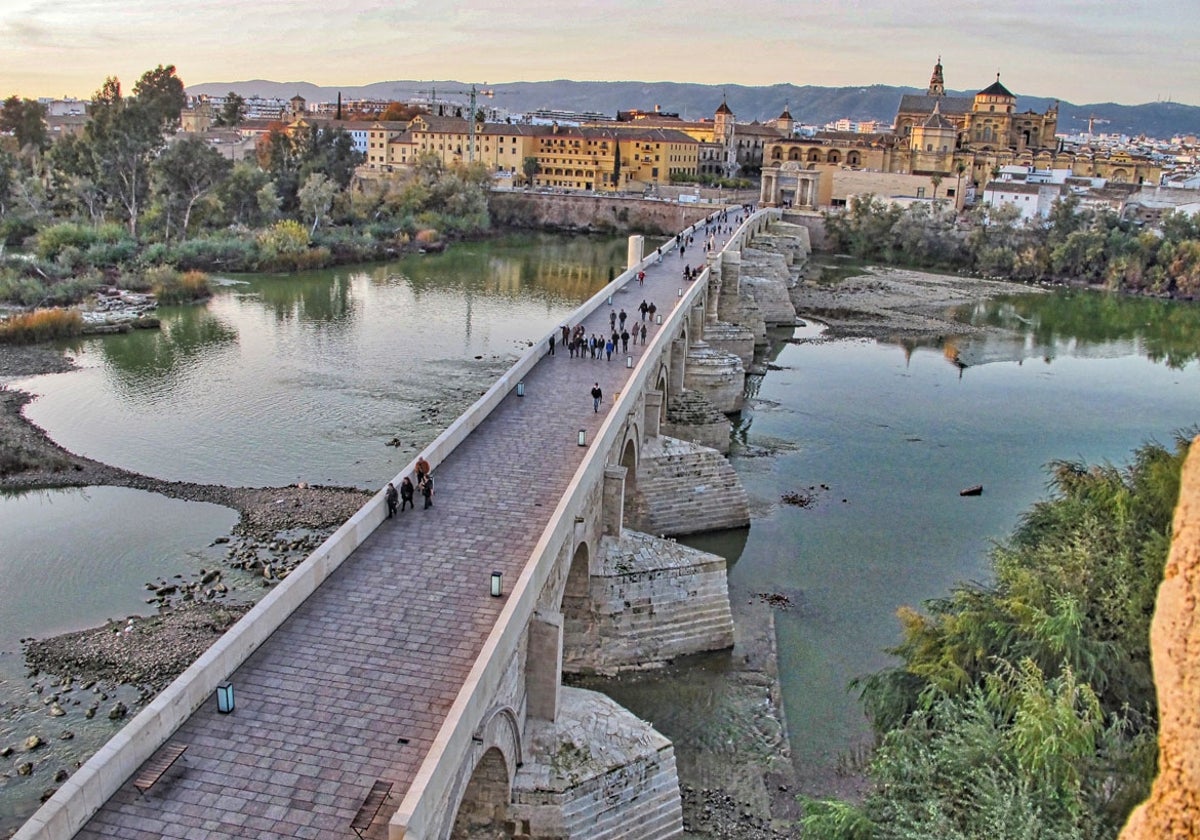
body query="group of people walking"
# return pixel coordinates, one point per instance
(404, 496)
(597, 346)
(621, 329)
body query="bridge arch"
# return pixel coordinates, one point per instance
(483, 810)
(630, 455)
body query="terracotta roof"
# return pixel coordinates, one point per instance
(724, 109)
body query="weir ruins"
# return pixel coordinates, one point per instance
(406, 680)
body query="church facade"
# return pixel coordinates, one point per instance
(953, 143)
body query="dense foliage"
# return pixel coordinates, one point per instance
(1026, 708)
(130, 194)
(1072, 243)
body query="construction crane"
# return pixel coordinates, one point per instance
(472, 93)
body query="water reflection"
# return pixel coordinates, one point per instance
(145, 364)
(311, 297)
(1080, 324)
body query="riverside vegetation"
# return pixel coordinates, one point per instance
(1026, 707)
(127, 198)
(1073, 244)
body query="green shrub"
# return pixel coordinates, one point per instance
(53, 240)
(219, 253)
(110, 254)
(21, 289)
(285, 237)
(14, 230)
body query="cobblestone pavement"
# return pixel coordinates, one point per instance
(355, 685)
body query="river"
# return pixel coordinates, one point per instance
(306, 378)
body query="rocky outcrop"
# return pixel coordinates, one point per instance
(1173, 809)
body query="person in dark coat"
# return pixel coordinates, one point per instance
(427, 491)
(597, 395)
(406, 493)
(392, 497)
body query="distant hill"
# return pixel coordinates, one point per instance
(807, 103)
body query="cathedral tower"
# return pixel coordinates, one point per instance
(937, 84)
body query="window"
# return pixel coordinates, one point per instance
(920, 192)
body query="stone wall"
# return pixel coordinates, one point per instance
(766, 277)
(1173, 809)
(650, 601)
(684, 488)
(598, 773)
(592, 213)
(814, 222)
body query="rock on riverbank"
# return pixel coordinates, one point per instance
(146, 652)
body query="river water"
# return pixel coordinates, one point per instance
(305, 378)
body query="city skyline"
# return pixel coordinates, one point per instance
(1068, 49)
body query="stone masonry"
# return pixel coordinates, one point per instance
(597, 773)
(684, 488)
(692, 416)
(651, 600)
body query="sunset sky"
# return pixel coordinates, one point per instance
(1078, 50)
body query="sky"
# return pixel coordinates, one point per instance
(1081, 51)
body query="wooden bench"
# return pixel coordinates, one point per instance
(153, 769)
(380, 791)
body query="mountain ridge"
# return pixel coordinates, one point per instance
(810, 104)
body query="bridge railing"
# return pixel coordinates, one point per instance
(427, 799)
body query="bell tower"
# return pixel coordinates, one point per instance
(937, 84)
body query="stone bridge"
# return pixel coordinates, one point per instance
(387, 660)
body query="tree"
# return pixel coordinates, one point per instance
(26, 120)
(316, 197)
(530, 167)
(160, 93)
(239, 194)
(7, 167)
(119, 142)
(616, 173)
(233, 112)
(399, 112)
(187, 170)
(936, 180)
(959, 169)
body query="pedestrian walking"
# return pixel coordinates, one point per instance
(427, 491)
(612, 318)
(608, 348)
(566, 334)
(597, 395)
(652, 309)
(621, 318)
(551, 344)
(643, 333)
(392, 497)
(406, 493)
(643, 307)
(624, 341)
(422, 470)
